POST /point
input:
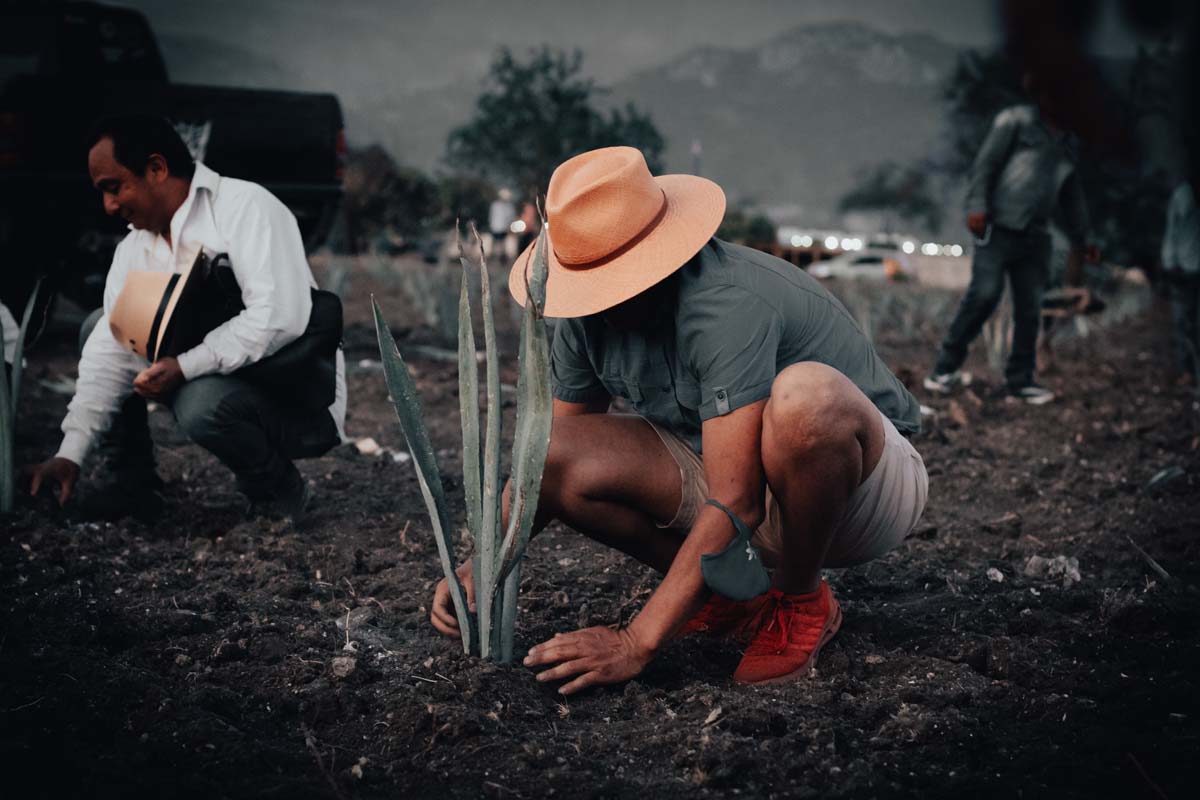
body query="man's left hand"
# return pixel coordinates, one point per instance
(159, 380)
(593, 656)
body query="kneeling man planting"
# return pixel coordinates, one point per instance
(766, 432)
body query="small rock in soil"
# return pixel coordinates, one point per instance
(343, 666)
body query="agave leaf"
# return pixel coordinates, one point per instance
(18, 358)
(490, 523)
(408, 411)
(508, 614)
(531, 441)
(468, 406)
(7, 478)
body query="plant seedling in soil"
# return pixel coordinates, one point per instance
(10, 395)
(498, 549)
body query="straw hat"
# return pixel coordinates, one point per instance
(143, 313)
(616, 230)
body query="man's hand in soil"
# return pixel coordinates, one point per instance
(592, 656)
(60, 472)
(159, 380)
(442, 616)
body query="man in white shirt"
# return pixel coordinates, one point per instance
(175, 208)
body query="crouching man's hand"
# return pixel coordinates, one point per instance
(443, 616)
(55, 472)
(591, 656)
(159, 380)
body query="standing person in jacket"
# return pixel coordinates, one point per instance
(767, 429)
(1181, 267)
(175, 208)
(1023, 172)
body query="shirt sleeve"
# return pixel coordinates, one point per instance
(729, 339)
(573, 376)
(989, 161)
(106, 373)
(266, 252)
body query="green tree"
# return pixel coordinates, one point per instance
(742, 227)
(535, 114)
(896, 193)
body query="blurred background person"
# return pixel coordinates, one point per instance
(1181, 270)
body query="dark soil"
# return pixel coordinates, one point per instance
(204, 655)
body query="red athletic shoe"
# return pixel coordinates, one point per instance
(786, 647)
(723, 617)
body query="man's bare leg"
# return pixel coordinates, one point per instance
(822, 438)
(611, 478)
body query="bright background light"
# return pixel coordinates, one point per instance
(797, 240)
(908, 247)
(806, 241)
(831, 242)
(956, 250)
(518, 226)
(929, 249)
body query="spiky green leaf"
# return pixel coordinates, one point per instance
(408, 410)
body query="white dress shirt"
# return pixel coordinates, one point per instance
(266, 252)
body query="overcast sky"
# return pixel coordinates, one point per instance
(427, 43)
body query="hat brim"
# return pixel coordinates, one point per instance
(695, 207)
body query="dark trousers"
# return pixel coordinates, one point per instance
(231, 418)
(1184, 291)
(1025, 258)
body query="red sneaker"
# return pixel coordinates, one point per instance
(720, 616)
(786, 647)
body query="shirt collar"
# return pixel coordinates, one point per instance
(202, 178)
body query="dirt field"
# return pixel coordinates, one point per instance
(207, 656)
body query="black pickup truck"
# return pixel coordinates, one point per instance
(64, 65)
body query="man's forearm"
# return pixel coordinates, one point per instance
(682, 591)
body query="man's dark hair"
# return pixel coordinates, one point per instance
(136, 137)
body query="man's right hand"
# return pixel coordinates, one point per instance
(443, 616)
(977, 223)
(60, 472)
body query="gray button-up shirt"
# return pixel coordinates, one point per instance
(1181, 242)
(1022, 171)
(739, 317)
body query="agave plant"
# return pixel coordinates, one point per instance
(10, 395)
(498, 548)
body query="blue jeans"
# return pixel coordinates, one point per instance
(1025, 257)
(235, 421)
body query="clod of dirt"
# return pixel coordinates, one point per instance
(230, 650)
(994, 575)
(1065, 567)
(343, 667)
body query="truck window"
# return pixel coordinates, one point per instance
(22, 46)
(112, 43)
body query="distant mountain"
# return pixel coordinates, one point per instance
(783, 124)
(789, 122)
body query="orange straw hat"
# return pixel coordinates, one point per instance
(616, 230)
(145, 308)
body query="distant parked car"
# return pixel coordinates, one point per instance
(872, 263)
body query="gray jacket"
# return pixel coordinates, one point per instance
(1181, 242)
(1022, 172)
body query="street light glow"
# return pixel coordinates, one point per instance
(831, 242)
(908, 247)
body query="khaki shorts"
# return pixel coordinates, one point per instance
(882, 511)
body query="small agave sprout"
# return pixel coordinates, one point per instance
(10, 395)
(498, 548)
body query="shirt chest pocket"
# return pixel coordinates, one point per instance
(623, 386)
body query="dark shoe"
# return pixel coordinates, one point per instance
(1032, 394)
(785, 648)
(947, 382)
(128, 494)
(288, 499)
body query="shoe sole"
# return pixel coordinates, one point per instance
(832, 626)
(1039, 401)
(936, 387)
